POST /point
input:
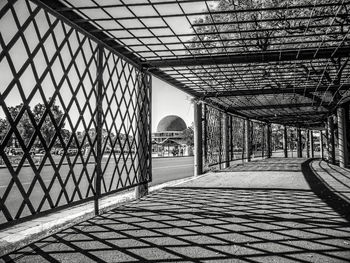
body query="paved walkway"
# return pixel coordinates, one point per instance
(276, 210)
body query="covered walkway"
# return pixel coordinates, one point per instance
(274, 210)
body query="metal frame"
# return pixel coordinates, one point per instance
(87, 100)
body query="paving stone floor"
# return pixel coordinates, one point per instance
(276, 210)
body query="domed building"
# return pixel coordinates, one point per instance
(169, 140)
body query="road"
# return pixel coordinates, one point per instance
(164, 169)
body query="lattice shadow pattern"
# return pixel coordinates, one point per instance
(202, 225)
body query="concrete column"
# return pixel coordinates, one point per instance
(247, 139)
(226, 139)
(312, 148)
(330, 140)
(342, 140)
(299, 143)
(144, 130)
(307, 143)
(268, 140)
(198, 149)
(321, 145)
(285, 141)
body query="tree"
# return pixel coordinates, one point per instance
(267, 29)
(3, 128)
(25, 126)
(48, 129)
(188, 135)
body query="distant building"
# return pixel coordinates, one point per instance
(169, 139)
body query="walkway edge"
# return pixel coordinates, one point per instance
(20, 235)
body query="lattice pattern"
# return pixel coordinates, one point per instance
(49, 133)
(268, 60)
(237, 138)
(213, 126)
(258, 139)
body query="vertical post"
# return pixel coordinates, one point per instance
(312, 150)
(285, 141)
(299, 143)
(347, 128)
(205, 133)
(231, 138)
(307, 143)
(225, 139)
(247, 139)
(220, 139)
(99, 108)
(198, 151)
(342, 140)
(331, 148)
(263, 142)
(268, 140)
(142, 151)
(321, 145)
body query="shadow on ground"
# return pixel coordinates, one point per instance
(189, 224)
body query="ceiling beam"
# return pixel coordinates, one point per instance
(302, 114)
(254, 92)
(274, 106)
(253, 57)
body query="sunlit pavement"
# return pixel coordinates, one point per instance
(275, 210)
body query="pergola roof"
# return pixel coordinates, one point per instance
(285, 63)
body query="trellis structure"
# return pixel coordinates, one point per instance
(80, 71)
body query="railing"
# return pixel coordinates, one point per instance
(74, 115)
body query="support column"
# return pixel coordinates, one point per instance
(144, 127)
(321, 145)
(312, 148)
(342, 140)
(268, 140)
(285, 141)
(299, 143)
(307, 143)
(330, 140)
(99, 124)
(205, 133)
(226, 139)
(247, 139)
(198, 150)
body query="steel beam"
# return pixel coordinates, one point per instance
(287, 90)
(254, 57)
(274, 106)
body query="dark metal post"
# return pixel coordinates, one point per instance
(142, 189)
(263, 142)
(299, 143)
(225, 139)
(198, 150)
(342, 140)
(205, 133)
(285, 141)
(99, 115)
(247, 139)
(220, 139)
(321, 145)
(231, 138)
(312, 150)
(331, 148)
(268, 140)
(307, 143)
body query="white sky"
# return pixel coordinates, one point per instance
(168, 100)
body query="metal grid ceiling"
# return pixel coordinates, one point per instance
(279, 61)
